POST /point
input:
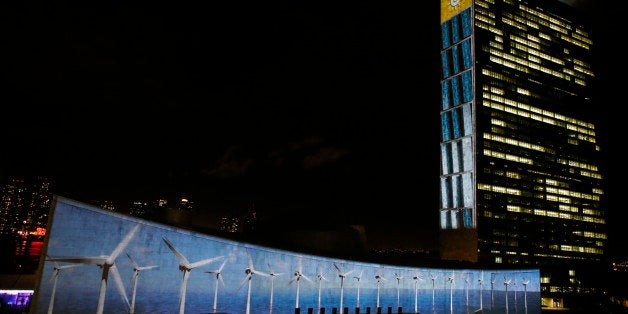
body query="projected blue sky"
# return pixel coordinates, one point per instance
(182, 265)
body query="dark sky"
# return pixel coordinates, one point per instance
(324, 106)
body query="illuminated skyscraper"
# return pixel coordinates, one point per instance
(520, 183)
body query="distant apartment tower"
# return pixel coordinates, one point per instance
(520, 183)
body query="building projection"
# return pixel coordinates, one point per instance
(187, 272)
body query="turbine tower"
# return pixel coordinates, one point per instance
(433, 278)
(320, 276)
(250, 271)
(358, 278)
(298, 274)
(218, 274)
(186, 267)
(136, 273)
(416, 278)
(506, 284)
(379, 279)
(107, 264)
(450, 279)
(480, 281)
(55, 275)
(398, 277)
(342, 276)
(272, 275)
(525, 293)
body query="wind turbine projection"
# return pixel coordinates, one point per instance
(379, 279)
(433, 278)
(250, 271)
(218, 274)
(480, 281)
(55, 276)
(298, 274)
(416, 278)
(186, 267)
(398, 277)
(272, 275)
(450, 279)
(342, 276)
(107, 263)
(136, 273)
(358, 278)
(506, 284)
(320, 276)
(525, 293)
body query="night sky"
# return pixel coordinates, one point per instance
(311, 111)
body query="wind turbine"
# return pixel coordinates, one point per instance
(320, 276)
(466, 287)
(398, 277)
(433, 278)
(416, 278)
(514, 285)
(492, 297)
(298, 274)
(218, 274)
(136, 273)
(107, 264)
(480, 280)
(506, 284)
(186, 267)
(379, 279)
(272, 275)
(450, 279)
(525, 293)
(358, 278)
(250, 271)
(55, 276)
(342, 276)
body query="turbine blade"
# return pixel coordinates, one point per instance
(132, 261)
(261, 273)
(182, 259)
(248, 257)
(306, 278)
(247, 278)
(148, 267)
(82, 260)
(116, 277)
(122, 245)
(68, 266)
(338, 268)
(221, 281)
(204, 262)
(222, 265)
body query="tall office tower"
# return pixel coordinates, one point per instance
(520, 183)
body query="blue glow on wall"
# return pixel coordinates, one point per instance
(236, 277)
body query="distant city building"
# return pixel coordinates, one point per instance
(520, 183)
(24, 205)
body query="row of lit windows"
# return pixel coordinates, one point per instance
(523, 65)
(514, 142)
(548, 197)
(588, 170)
(533, 49)
(546, 20)
(517, 176)
(534, 19)
(520, 109)
(574, 163)
(552, 214)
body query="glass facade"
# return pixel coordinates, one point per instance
(520, 182)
